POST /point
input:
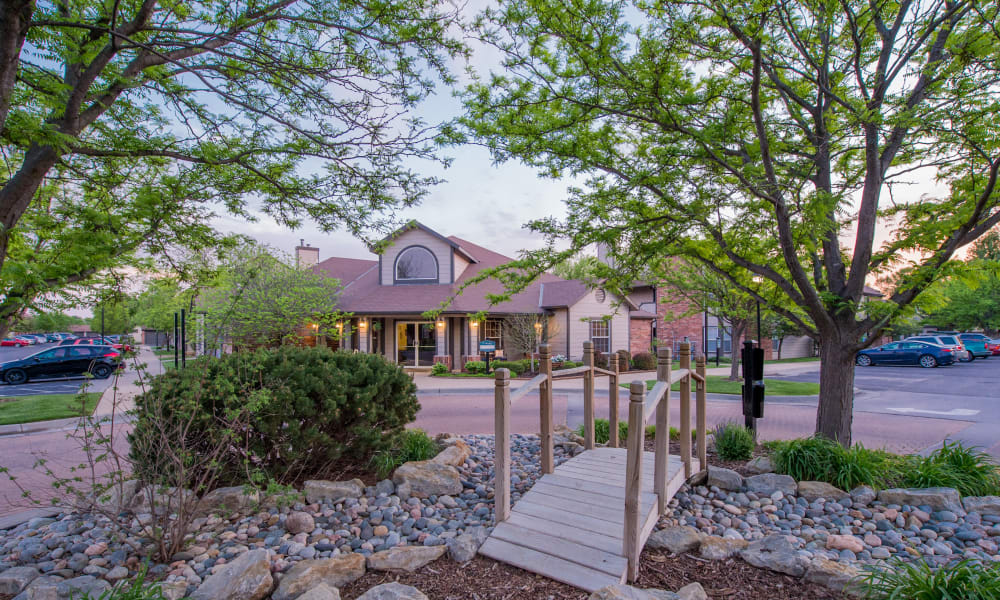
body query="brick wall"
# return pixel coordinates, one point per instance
(641, 334)
(672, 325)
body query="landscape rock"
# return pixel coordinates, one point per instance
(44, 587)
(228, 500)
(334, 572)
(393, 591)
(246, 578)
(768, 483)
(717, 548)
(464, 548)
(321, 592)
(427, 478)
(845, 542)
(77, 587)
(813, 490)
(938, 498)
(119, 496)
(677, 540)
(777, 553)
(984, 505)
(692, 591)
(760, 465)
(454, 455)
(724, 479)
(173, 590)
(405, 558)
(13, 580)
(318, 490)
(832, 574)
(299, 522)
(626, 592)
(863, 495)
(160, 499)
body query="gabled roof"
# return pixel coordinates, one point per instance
(418, 225)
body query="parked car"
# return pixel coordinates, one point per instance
(62, 361)
(28, 340)
(14, 342)
(948, 341)
(976, 343)
(907, 352)
(89, 341)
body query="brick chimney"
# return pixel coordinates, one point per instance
(305, 255)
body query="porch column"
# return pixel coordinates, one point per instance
(441, 351)
(473, 349)
(364, 334)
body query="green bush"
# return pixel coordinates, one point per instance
(602, 431)
(517, 367)
(820, 459)
(412, 444)
(644, 361)
(969, 471)
(733, 441)
(312, 408)
(475, 366)
(965, 580)
(439, 369)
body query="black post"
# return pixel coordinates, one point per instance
(183, 340)
(177, 335)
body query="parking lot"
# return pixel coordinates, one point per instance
(49, 386)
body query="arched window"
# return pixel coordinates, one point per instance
(416, 264)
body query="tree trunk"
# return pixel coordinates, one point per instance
(739, 329)
(836, 382)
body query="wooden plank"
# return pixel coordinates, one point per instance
(590, 539)
(612, 511)
(547, 565)
(582, 501)
(559, 373)
(653, 400)
(522, 391)
(612, 461)
(592, 558)
(611, 491)
(614, 478)
(599, 465)
(600, 371)
(555, 515)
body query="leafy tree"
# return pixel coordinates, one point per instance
(584, 268)
(160, 301)
(523, 332)
(116, 314)
(48, 322)
(756, 138)
(779, 327)
(301, 106)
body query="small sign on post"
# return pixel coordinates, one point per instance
(489, 348)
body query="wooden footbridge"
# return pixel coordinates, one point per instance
(585, 522)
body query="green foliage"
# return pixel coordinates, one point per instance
(916, 580)
(137, 589)
(439, 369)
(820, 459)
(969, 299)
(117, 317)
(411, 444)
(602, 429)
(644, 361)
(733, 441)
(46, 322)
(585, 268)
(971, 472)
(517, 367)
(475, 366)
(308, 408)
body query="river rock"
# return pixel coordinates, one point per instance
(938, 498)
(832, 574)
(246, 578)
(405, 558)
(844, 542)
(692, 591)
(777, 553)
(318, 490)
(335, 572)
(227, 500)
(863, 495)
(717, 548)
(813, 490)
(85, 586)
(677, 540)
(426, 478)
(13, 580)
(299, 522)
(393, 591)
(984, 505)
(454, 455)
(766, 484)
(760, 465)
(724, 479)
(321, 592)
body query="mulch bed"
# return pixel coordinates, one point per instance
(486, 579)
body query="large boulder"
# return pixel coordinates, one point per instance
(13, 580)
(426, 478)
(318, 490)
(679, 539)
(938, 498)
(321, 592)
(464, 548)
(393, 591)
(119, 496)
(228, 500)
(724, 479)
(777, 553)
(454, 455)
(984, 505)
(692, 591)
(863, 495)
(766, 484)
(85, 586)
(813, 490)
(405, 558)
(335, 572)
(832, 574)
(620, 591)
(759, 464)
(246, 578)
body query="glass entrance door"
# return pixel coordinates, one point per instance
(416, 344)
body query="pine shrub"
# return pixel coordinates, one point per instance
(733, 441)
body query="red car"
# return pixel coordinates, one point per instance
(97, 341)
(14, 342)
(994, 346)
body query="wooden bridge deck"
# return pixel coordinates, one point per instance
(569, 525)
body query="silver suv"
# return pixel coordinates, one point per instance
(948, 341)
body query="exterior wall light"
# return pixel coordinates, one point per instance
(363, 324)
(440, 323)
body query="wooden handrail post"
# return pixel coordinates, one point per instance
(631, 538)
(613, 440)
(588, 395)
(661, 445)
(686, 409)
(700, 408)
(545, 409)
(501, 459)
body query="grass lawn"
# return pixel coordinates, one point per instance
(28, 409)
(794, 360)
(720, 384)
(164, 352)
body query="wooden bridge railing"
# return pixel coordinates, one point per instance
(642, 406)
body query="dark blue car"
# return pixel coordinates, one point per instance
(907, 353)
